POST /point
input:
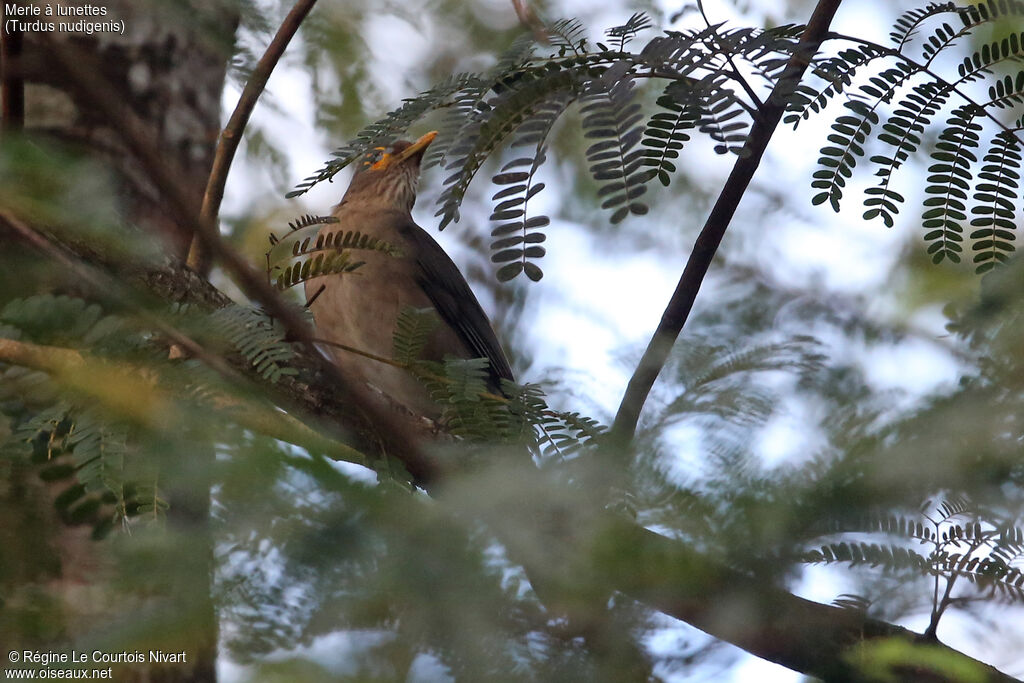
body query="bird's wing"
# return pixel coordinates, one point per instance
(447, 289)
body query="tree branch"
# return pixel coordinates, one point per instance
(710, 237)
(529, 19)
(815, 639)
(231, 136)
(181, 285)
(136, 396)
(107, 289)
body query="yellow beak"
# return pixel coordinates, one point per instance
(415, 147)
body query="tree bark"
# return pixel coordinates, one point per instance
(168, 66)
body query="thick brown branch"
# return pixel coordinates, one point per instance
(710, 237)
(231, 136)
(815, 639)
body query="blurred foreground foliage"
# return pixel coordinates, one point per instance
(326, 573)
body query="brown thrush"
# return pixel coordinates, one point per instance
(360, 309)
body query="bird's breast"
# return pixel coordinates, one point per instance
(360, 311)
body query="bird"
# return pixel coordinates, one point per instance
(360, 309)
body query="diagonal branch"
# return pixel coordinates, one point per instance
(107, 288)
(736, 75)
(136, 396)
(710, 237)
(231, 136)
(823, 641)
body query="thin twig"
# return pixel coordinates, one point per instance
(231, 136)
(529, 19)
(710, 237)
(934, 621)
(418, 372)
(737, 76)
(939, 608)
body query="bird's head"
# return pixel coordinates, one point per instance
(386, 177)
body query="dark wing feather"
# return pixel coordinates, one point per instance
(441, 281)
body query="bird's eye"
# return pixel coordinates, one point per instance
(376, 155)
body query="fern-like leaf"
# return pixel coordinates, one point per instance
(518, 241)
(881, 522)
(949, 182)
(466, 107)
(387, 129)
(995, 195)
(299, 257)
(467, 413)
(622, 35)
(980, 62)
(257, 337)
(611, 115)
(566, 433)
(98, 450)
(907, 24)
(838, 72)
(45, 318)
(903, 132)
(1007, 92)
(849, 135)
(507, 111)
(889, 557)
(953, 506)
(838, 159)
(568, 35)
(722, 119)
(518, 237)
(412, 331)
(942, 37)
(666, 132)
(989, 10)
(852, 601)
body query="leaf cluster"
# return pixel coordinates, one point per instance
(960, 541)
(82, 451)
(963, 190)
(303, 254)
(518, 102)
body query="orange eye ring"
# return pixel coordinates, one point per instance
(381, 162)
(377, 158)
